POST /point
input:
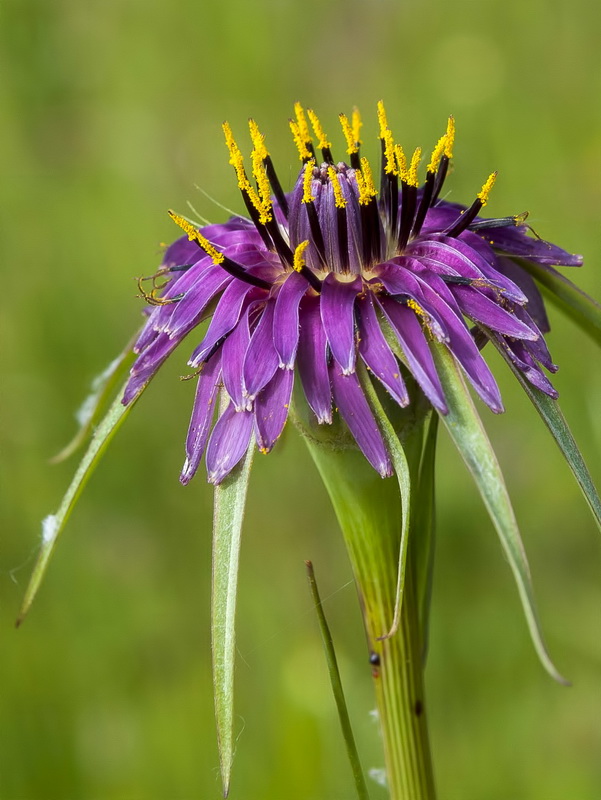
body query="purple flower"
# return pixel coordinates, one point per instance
(332, 274)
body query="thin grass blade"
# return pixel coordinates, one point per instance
(102, 390)
(469, 436)
(578, 305)
(54, 524)
(337, 690)
(549, 410)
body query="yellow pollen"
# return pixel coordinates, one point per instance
(258, 139)
(412, 179)
(301, 121)
(450, 138)
(299, 261)
(383, 122)
(322, 139)
(401, 162)
(486, 189)
(365, 183)
(301, 145)
(437, 153)
(338, 198)
(260, 175)
(390, 167)
(307, 177)
(194, 235)
(416, 307)
(237, 161)
(236, 158)
(347, 130)
(357, 125)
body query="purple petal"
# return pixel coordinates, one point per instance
(398, 280)
(312, 360)
(261, 360)
(516, 242)
(234, 349)
(454, 256)
(536, 305)
(482, 309)
(135, 384)
(526, 364)
(338, 317)
(271, 408)
(376, 353)
(226, 316)
(188, 311)
(537, 348)
(415, 349)
(202, 416)
(285, 321)
(355, 410)
(228, 443)
(182, 251)
(462, 345)
(154, 355)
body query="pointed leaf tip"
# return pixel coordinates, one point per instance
(467, 432)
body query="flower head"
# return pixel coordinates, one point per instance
(337, 272)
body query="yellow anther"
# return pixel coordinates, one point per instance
(338, 197)
(299, 262)
(236, 158)
(437, 153)
(260, 175)
(301, 145)
(414, 306)
(412, 179)
(307, 177)
(486, 189)
(194, 235)
(351, 143)
(365, 183)
(357, 125)
(401, 162)
(450, 138)
(301, 121)
(258, 139)
(390, 167)
(383, 122)
(322, 139)
(237, 161)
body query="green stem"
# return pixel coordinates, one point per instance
(368, 509)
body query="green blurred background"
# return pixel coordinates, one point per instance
(110, 114)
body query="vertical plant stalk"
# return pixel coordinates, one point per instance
(369, 512)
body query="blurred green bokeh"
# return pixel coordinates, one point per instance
(110, 113)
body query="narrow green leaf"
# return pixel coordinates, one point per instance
(424, 525)
(230, 499)
(101, 390)
(469, 436)
(337, 690)
(555, 421)
(585, 311)
(401, 468)
(53, 525)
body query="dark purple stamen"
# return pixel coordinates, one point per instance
(276, 185)
(425, 203)
(408, 203)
